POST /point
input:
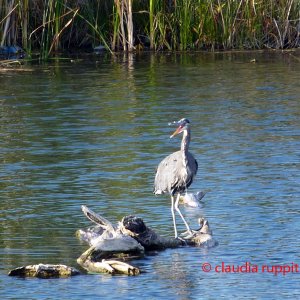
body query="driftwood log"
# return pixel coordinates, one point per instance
(131, 238)
(87, 261)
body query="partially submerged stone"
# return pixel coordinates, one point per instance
(44, 271)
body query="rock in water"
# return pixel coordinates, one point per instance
(44, 271)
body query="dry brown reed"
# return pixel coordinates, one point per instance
(58, 25)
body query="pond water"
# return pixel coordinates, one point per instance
(92, 131)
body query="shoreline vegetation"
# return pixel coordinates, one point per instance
(53, 26)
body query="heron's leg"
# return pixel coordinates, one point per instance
(173, 215)
(183, 219)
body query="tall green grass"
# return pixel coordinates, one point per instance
(57, 25)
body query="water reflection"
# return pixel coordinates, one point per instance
(92, 133)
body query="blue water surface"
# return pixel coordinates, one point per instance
(92, 131)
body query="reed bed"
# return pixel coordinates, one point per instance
(57, 25)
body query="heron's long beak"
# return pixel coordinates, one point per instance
(177, 131)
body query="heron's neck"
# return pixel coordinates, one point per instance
(186, 138)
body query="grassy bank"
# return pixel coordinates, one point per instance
(59, 25)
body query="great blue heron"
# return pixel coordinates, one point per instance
(176, 172)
